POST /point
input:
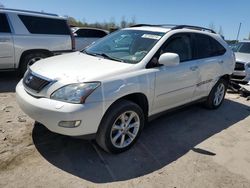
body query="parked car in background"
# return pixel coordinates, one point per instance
(241, 72)
(109, 90)
(86, 36)
(27, 36)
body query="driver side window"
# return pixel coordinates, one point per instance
(181, 45)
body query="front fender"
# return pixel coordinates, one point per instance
(112, 89)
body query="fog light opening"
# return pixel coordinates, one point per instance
(69, 124)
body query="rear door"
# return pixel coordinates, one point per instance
(6, 44)
(209, 58)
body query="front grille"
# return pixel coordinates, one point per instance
(34, 82)
(239, 66)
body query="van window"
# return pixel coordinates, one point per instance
(4, 25)
(41, 25)
(90, 33)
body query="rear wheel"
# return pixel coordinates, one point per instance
(217, 95)
(29, 60)
(120, 127)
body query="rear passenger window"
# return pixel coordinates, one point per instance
(217, 48)
(207, 47)
(181, 45)
(203, 46)
(40, 25)
(90, 33)
(4, 25)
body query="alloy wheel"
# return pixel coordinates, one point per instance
(125, 129)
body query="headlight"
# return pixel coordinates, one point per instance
(75, 93)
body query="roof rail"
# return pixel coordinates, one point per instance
(157, 25)
(141, 25)
(173, 27)
(29, 11)
(193, 27)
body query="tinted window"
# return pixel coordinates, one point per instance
(90, 33)
(4, 25)
(244, 47)
(217, 48)
(181, 45)
(207, 47)
(203, 47)
(40, 25)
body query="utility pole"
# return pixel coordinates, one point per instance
(238, 32)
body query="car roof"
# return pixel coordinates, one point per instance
(149, 28)
(168, 27)
(245, 41)
(31, 13)
(92, 28)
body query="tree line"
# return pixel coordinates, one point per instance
(110, 25)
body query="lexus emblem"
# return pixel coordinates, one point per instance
(28, 79)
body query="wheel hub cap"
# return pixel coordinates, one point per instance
(125, 129)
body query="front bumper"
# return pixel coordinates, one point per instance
(50, 112)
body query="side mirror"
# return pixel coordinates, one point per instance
(169, 59)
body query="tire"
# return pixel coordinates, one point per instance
(29, 60)
(115, 137)
(217, 95)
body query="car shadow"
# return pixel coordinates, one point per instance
(163, 141)
(8, 81)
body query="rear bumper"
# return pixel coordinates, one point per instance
(51, 112)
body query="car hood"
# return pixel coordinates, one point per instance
(242, 57)
(78, 67)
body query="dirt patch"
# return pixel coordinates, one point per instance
(193, 147)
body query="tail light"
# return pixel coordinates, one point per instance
(73, 42)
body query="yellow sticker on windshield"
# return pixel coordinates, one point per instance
(150, 36)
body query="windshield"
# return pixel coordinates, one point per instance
(242, 47)
(129, 46)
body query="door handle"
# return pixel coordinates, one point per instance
(194, 68)
(221, 61)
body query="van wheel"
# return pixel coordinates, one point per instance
(217, 94)
(120, 127)
(29, 60)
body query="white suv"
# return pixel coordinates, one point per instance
(27, 36)
(110, 89)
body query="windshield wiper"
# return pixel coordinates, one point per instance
(102, 55)
(108, 57)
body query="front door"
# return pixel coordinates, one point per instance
(175, 85)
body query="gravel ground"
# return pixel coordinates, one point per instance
(192, 147)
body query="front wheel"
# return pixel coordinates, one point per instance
(29, 60)
(217, 95)
(120, 127)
